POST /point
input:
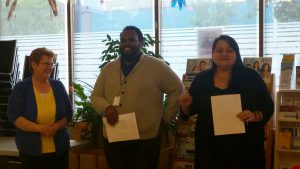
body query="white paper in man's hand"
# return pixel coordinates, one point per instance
(225, 109)
(125, 129)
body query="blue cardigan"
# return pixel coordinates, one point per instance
(22, 102)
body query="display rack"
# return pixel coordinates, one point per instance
(287, 135)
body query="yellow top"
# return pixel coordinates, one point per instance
(46, 110)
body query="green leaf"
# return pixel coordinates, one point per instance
(108, 37)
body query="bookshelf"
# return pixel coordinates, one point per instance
(287, 135)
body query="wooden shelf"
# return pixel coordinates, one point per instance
(288, 97)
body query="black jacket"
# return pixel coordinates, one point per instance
(254, 97)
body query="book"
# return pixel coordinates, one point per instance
(289, 165)
(187, 143)
(287, 99)
(296, 140)
(183, 165)
(297, 77)
(296, 99)
(193, 67)
(198, 65)
(286, 71)
(262, 65)
(288, 113)
(288, 57)
(185, 154)
(284, 140)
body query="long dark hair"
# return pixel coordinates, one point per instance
(233, 44)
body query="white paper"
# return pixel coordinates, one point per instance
(225, 109)
(125, 129)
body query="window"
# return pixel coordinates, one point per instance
(189, 30)
(282, 33)
(94, 20)
(33, 24)
(186, 29)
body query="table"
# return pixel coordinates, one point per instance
(8, 146)
(8, 149)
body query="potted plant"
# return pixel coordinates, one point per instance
(88, 123)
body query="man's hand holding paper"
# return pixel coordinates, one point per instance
(125, 129)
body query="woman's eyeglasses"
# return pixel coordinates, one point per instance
(48, 63)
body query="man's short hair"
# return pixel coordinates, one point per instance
(136, 29)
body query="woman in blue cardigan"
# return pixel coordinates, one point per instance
(40, 109)
(229, 76)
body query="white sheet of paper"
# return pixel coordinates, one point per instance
(225, 108)
(125, 129)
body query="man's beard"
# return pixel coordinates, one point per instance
(130, 56)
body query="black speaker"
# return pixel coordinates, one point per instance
(26, 68)
(7, 56)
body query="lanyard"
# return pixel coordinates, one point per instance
(122, 81)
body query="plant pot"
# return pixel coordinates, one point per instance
(82, 131)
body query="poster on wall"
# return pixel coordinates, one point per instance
(206, 37)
